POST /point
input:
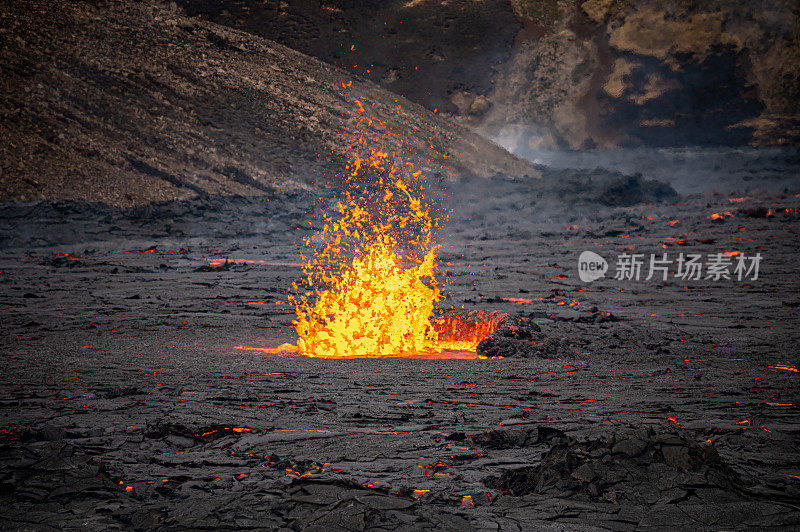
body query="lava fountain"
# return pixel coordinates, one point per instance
(371, 294)
(369, 283)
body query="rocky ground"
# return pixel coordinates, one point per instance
(127, 402)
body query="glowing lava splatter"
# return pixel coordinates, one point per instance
(369, 285)
(372, 293)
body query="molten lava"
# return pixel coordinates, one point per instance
(372, 283)
(369, 286)
(463, 332)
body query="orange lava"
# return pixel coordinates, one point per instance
(720, 215)
(522, 300)
(463, 332)
(369, 284)
(785, 367)
(372, 286)
(447, 351)
(283, 348)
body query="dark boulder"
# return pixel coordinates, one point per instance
(519, 336)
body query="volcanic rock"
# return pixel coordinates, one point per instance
(629, 447)
(514, 438)
(519, 336)
(634, 189)
(38, 480)
(640, 467)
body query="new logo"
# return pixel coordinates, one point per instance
(591, 266)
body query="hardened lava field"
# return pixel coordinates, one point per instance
(126, 404)
(399, 265)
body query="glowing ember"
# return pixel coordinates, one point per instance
(785, 367)
(719, 215)
(524, 301)
(280, 349)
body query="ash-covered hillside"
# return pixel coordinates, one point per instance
(561, 73)
(129, 102)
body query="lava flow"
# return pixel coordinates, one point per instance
(369, 285)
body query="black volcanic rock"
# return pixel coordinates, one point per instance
(514, 438)
(519, 336)
(635, 468)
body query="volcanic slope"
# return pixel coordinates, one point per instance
(126, 103)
